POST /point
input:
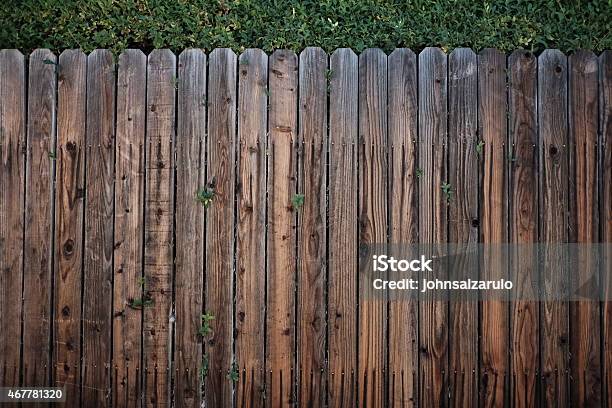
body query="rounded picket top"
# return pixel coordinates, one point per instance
(12, 61)
(402, 54)
(583, 62)
(132, 56)
(226, 52)
(162, 57)
(252, 56)
(42, 56)
(435, 52)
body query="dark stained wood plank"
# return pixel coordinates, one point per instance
(312, 241)
(463, 221)
(69, 205)
(40, 172)
(433, 314)
(523, 224)
(99, 199)
(585, 338)
(190, 167)
(129, 217)
(159, 214)
(552, 129)
(12, 179)
(342, 227)
(403, 221)
(251, 227)
(605, 206)
(373, 147)
(220, 223)
(281, 262)
(492, 156)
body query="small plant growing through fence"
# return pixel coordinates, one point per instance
(232, 373)
(52, 155)
(328, 77)
(205, 196)
(297, 201)
(479, 148)
(141, 303)
(448, 191)
(419, 173)
(205, 328)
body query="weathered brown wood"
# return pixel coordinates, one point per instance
(69, 202)
(492, 156)
(190, 177)
(585, 369)
(403, 221)
(553, 166)
(158, 226)
(40, 172)
(605, 218)
(373, 148)
(281, 262)
(129, 217)
(522, 224)
(433, 315)
(99, 197)
(251, 227)
(312, 241)
(12, 179)
(463, 221)
(342, 227)
(220, 224)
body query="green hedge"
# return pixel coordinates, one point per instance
(270, 24)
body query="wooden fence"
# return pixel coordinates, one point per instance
(108, 261)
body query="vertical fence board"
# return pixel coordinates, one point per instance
(159, 214)
(251, 227)
(99, 191)
(523, 227)
(403, 220)
(71, 119)
(373, 226)
(433, 314)
(129, 217)
(12, 179)
(281, 238)
(605, 219)
(311, 223)
(220, 222)
(40, 169)
(462, 201)
(190, 167)
(584, 315)
(492, 155)
(342, 226)
(552, 128)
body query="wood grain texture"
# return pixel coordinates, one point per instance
(523, 224)
(281, 262)
(553, 166)
(585, 368)
(220, 223)
(342, 227)
(605, 218)
(99, 239)
(403, 221)
(40, 173)
(492, 156)
(373, 148)
(69, 205)
(312, 219)
(12, 204)
(433, 315)
(190, 177)
(129, 218)
(463, 231)
(251, 227)
(158, 226)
